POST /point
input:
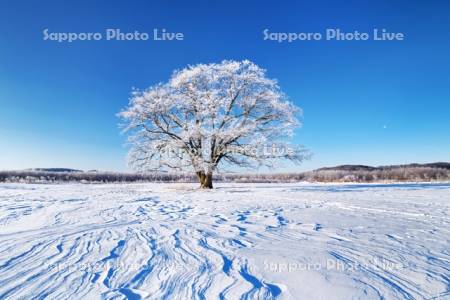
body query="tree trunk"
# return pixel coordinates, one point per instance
(205, 180)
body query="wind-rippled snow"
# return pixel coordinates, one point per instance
(239, 241)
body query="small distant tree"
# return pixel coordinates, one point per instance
(209, 116)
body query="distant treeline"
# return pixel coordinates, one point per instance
(347, 173)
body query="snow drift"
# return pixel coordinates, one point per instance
(260, 241)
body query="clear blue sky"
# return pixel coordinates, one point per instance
(364, 102)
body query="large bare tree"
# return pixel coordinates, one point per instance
(211, 116)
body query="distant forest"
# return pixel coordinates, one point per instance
(346, 173)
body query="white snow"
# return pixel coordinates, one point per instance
(239, 241)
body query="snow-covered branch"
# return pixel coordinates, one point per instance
(209, 115)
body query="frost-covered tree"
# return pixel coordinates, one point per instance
(211, 116)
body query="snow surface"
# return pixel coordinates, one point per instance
(249, 241)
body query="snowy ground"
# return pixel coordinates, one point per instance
(249, 241)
